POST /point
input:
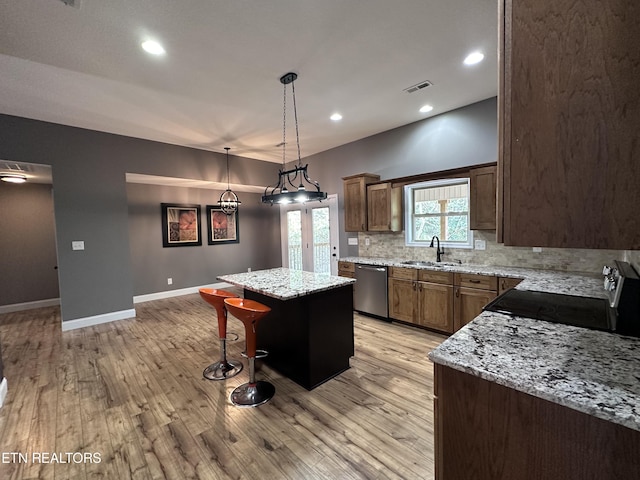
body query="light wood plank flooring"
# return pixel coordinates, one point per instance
(132, 391)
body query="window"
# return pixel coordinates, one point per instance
(441, 208)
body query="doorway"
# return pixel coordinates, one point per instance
(310, 236)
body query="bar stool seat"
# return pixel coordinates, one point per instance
(224, 368)
(254, 392)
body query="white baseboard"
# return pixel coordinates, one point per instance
(3, 391)
(98, 319)
(18, 307)
(176, 293)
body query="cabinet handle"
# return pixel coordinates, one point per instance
(414, 285)
(363, 227)
(471, 280)
(420, 286)
(457, 292)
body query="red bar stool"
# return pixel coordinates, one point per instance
(223, 368)
(253, 393)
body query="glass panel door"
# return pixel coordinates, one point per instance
(310, 236)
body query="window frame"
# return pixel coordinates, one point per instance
(409, 213)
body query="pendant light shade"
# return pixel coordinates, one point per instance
(303, 189)
(228, 200)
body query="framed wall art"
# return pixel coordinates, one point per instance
(181, 225)
(222, 228)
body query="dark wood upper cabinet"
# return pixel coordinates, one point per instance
(569, 124)
(384, 208)
(482, 198)
(355, 201)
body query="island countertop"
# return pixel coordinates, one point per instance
(284, 284)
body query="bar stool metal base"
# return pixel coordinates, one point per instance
(259, 353)
(222, 370)
(252, 394)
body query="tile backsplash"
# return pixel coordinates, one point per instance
(391, 245)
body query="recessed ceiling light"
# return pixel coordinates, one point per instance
(426, 108)
(336, 117)
(153, 47)
(13, 177)
(473, 58)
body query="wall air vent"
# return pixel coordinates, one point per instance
(418, 86)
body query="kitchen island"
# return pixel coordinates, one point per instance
(309, 332)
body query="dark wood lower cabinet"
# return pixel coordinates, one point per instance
(484, 431)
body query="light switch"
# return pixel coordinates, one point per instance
(537, 249)
(480, 245)
(367, 241)
(353, 240)
(77, 245)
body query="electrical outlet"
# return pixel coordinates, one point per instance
(169, 281)
(367, 241)
(537, 249)
(353, 240)
(480, 245)
(249, 269)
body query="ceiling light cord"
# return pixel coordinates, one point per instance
(295, 116)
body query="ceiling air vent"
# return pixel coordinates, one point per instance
(15, 167)
(72, 3)
(418, 86)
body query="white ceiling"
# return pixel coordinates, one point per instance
(218, 84)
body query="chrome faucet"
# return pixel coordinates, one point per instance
(439, 252)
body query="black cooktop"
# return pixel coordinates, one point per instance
(593, 313)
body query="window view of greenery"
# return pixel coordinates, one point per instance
(321, 240)
(448, 219)
(294, 228)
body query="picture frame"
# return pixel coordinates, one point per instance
(222, 228)
(181, 226)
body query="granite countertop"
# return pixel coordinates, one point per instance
(285, 284)
(568, 283)
(597, 373)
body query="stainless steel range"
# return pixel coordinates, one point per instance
(619, 313)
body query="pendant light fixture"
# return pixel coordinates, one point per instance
(228, 200)
(13, 177)
(303, 188)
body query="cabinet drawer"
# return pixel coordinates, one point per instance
(347, 266)
(403, 273)
(472, 280)
(435, 277)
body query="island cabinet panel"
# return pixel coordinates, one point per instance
(482, 198)
(569, 121)
(309, 338)
(355, 201)
(346, 269)
(384, 208)
(505, 283)
(485, 431)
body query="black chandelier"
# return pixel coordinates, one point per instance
(228, 200)
(303, 188)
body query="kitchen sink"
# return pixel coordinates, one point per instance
(422, 263)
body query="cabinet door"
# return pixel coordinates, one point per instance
(505, 284)
(435, 306)
(468, 303)
(355, 201)
(570, 120)
(482, 198)
(402, 299)
(384, 208)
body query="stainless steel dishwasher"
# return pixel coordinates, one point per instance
(370, 292)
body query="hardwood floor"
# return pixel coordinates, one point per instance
(132, 393)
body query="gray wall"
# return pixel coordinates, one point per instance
(462, 137)
(27, 243)
(90, 198)
(259, 234)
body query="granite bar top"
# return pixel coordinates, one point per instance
(285, 284)
(597, 373)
